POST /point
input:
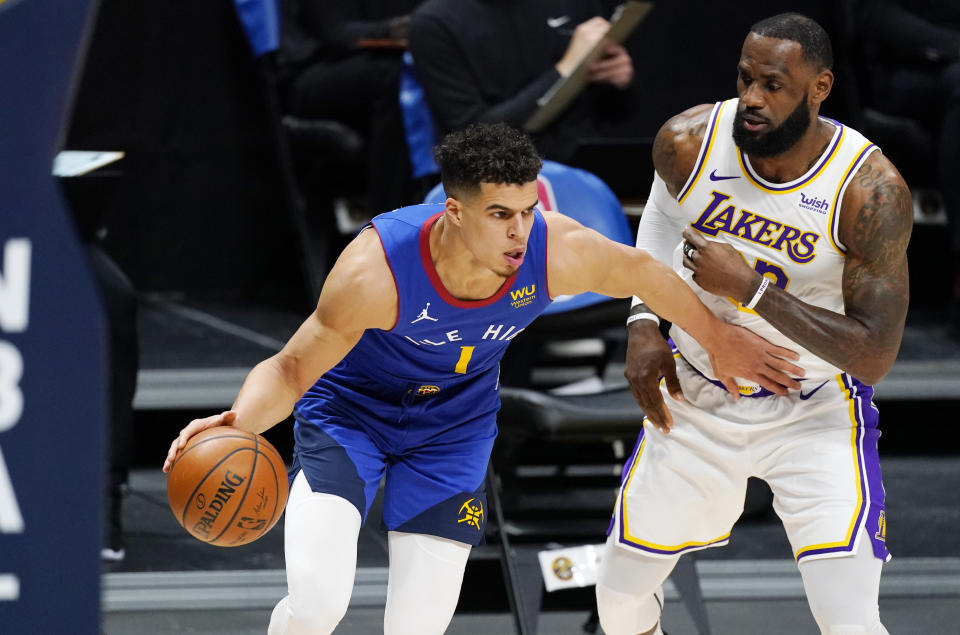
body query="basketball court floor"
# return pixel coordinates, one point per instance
(194, 357)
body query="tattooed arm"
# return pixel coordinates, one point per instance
(677, 145)
(876, 219)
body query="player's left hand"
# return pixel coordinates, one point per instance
(718, 267)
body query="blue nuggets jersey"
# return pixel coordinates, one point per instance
(440, 342)
(436, 336)
(418, 402)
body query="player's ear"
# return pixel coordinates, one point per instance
(821, 86)
(454, 211)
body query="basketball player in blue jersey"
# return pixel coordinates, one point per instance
(395, 374)
(795, 227)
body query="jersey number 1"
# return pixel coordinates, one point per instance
(466, 352)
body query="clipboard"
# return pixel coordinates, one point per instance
(625, 19)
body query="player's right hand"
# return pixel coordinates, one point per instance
(197, 425)
(648, 358)
(739, 352)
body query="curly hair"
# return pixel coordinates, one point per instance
(811, 37)
(486, 153)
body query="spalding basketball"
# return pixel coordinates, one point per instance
(228, 487)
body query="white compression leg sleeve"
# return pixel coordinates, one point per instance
(320, 545)
(424, 583)
(629, 595)
(843, 592)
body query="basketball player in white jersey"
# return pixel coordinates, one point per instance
(796, 227)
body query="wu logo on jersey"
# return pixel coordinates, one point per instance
(523, 297)
(471, 513)
(424, 315)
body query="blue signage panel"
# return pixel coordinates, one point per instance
(52, 402)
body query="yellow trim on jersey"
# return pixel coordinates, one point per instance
(715, 123)
(858, 158)
(626, 525)
(852, 404)
(804, 182)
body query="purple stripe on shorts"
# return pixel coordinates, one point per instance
(633, 457)
(623, 481)
(871, 483)
(876, 525)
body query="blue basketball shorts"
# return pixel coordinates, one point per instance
(431, 442)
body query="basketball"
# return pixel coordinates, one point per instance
(228, 486)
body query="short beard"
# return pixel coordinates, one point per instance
(776, 141)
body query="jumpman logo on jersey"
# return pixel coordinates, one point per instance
(423, 315)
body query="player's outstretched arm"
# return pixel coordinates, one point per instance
(649, 357)
(359, 293)
(581, 260)
(876, 220)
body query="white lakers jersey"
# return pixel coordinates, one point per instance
(785, 231)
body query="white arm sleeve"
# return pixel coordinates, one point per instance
(660, 225)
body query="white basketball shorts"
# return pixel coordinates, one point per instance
(816, 448)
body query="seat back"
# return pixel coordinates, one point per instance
(417, 121)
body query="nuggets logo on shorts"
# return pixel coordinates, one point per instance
(563, 568)
(471, 513)
(426, 390)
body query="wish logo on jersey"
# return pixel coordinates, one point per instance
(814, 204)
(800, 246)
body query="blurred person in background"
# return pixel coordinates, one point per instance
(491, 60)
(340, 62)
(913, 49)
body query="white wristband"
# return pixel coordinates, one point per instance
(756, 296)
(643, 316)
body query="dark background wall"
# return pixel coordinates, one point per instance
(196, 205)
(685, 53)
